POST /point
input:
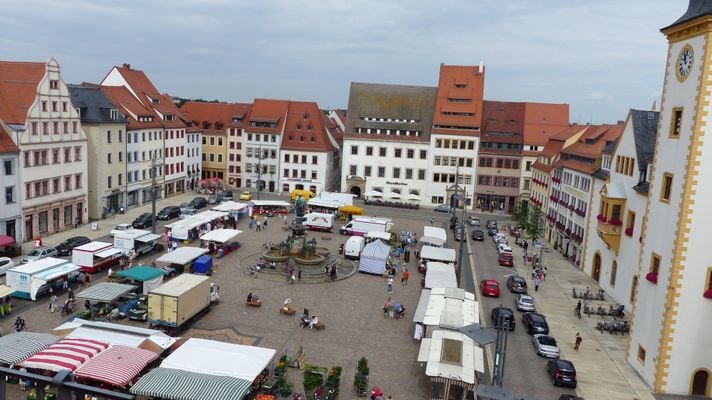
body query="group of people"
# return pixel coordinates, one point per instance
(330, 272)
(259, 224)
(538, 276)
(307, 321)
(393, 310)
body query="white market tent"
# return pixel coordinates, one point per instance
(451, 355)
(180, 229)
(430, 253)
(105, 292)
(230, 206)
(419, 314)
(344, 199)
(440, 275)
(317, 202)
(434, 236)
(115, 334)
(373, 258)
(451, 308)
(221, 235)
(378, 235)
(182, 255)
(270, 203)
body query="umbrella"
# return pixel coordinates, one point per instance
(394, 195)
(413, 197)
(374, 193)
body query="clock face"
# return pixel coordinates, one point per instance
(684, 63)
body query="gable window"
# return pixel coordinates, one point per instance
(354, 151)
(666, 189)
(676, 122)
(54, 84)
(614, 271)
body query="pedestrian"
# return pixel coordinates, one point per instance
(175, 246)
(87, 279)
(432, 221)
(265, 224)
(545, 271)
(390, 284)
(578, 309)
(76, 222)
(405, 276)
(398, 252)
(579, 339)
(387, 307)
(299, 274)
(524, 258)
(333, 272)
(53, 303)
(249, 222)
(65, 283)
(326, 273)
(51, 290)
(537, 282)
(258, 226)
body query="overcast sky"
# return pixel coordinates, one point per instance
(601, 56)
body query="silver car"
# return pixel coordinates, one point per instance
(39, 253)
(546, 346)
(524, 302)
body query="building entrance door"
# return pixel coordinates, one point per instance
(596, 273)
(10, 229)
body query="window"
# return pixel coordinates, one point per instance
(654, 264)
(55, 156)
(121, 180)
(396, 173)
(67, 154)
(78, 153)
(220, 141)
(353, 169)
(108, 158)
(55, 185)
(367, 171)
(369, 150)
(666, 188)
(676, 122)
(42, 223)
(8, 167)
(409, 173)
(314, 160)
(67, 183)
(108, 182)
(354, 150)
(421, 174)
(78, 181)
(398, 153)
(108, 136)
(45, 128)
(381, 172)
(423, 154)
(75, 127)
(313, 174)
(641, 354)
(121, 156)
(630, 223)
(9, 195)
(614, 271)
(381, 151)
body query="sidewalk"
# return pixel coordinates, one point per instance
(602, 370)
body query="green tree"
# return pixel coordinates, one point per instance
(535, 226)
(521, 216)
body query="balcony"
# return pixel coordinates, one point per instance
(610, 232)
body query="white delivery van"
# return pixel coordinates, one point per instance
(354, 246)
(319, 221)
(361, 225)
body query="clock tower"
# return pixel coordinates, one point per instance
(671, 328)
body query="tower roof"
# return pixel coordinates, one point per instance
(695, 9)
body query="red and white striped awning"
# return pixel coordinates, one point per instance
(116, 366)
(67, 354)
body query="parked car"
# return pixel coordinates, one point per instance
(491, 223)
(489, 287)
(478, 235)
(517, 284)
(502, 314)
(460, 234)
(535, 323)
(246, 195)
(442, 208)
(561, 372)
(546, 346)
(506, 260)
(169, 212)
(215, 199)
(187, 212)
(5, 264)
(199, 202)
(119, 228)
(492, 231)
(227, 195)
(473, 221)
(143, 221)
(503, 248)
(524, 302)
(497, 237)
(39, 253)
(570, 397)
(65, 248)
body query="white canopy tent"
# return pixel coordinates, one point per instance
(374, 193)
(115, 334)
(451, 308)
(440, 275)
(430, 253)
(180, 229)
(182, 255)
(373, 258)
(230, 206)
(451, 355)
(317, 202)
(434, 236)
(221, 235)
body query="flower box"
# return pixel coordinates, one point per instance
(615, 222)
(601, 218)
(629, 231)
(707, 294)
(652, 277)
(572, 207)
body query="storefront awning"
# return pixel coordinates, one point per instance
(21, 345)
(174, 384)
(116, 366)
(67, 354)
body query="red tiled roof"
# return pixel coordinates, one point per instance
(268, 110)
(542, 167)
(214, 114)
(126, 102)
(305, 129)
(579, 166)
(333, 129)
(6, 143)
(552, 147)
(18, 89)
(543, 120)
(464, 83)
(593, 140)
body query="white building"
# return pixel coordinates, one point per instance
(620, 194)
(193, 158)
(37, 109)
(670, 337)
(10, 209)
(262, 138)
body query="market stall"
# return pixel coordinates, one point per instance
(187, 229)
(270, 207)
(105, 292)
(217, 241)
(374, 257)
(21, 345)
(347, 212)
(176, 384)
(34, 278)
(149, 276)
(95, 256)
(182, 258)
(67, 354)
(236, 209)
(441, 254)
(440, 275)
(116, 334)
(116, 366)
(373, 235)
(433, 236)
(449, 309)
(323, 206)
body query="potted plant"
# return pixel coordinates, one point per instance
(707, 294)
(651, 277)
(629, 231)
(615, 222)
(361, 378)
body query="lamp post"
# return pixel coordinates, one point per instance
(153, 193)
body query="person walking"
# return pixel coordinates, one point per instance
(537, 282)
(578, 309)
(405, 276)
(579, 339)
(250, 222)
(265, 224)
(259, 228)
(53, 303)
(390, 284)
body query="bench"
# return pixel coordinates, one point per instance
(287, 311)
(319, 326)
(254, 303)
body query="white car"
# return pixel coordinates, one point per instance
(39, 253)
(5, 264)
(503, 248)
(546, 346)
(497, 237)
(524, 302)
(120, 228)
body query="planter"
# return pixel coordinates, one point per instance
(651, 277)
(615, 222)
(601, 218)
(707, 294)
(629, 231)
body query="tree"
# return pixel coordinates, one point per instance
(521, 217)
(535, 226)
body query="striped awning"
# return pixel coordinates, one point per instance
(21, 345)
(173, 384)
(67, 354)
(116, 366)
(105, 292)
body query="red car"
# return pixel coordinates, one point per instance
(489, 287)
(506, 260)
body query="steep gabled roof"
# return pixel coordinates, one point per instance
(645, 132)
(268, 110)
(94, 106)
(459, 99)
(18, 89)
(127, 104)
(305, 129)
(542, 121)
(594, 140)
(7, 146)
(215, 116)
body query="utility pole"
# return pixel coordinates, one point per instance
(153, 192)
(500, 350)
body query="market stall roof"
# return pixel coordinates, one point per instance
(451, 355)
(440, 275)
(374, 193)
(116, 334)
(21, 345)
(140, 273)
(6, 290)
(6, 240)
(230, 206)
(148, 238)
(108, 253)
(221, 235)
(422, 306)
(105, 292)
(175, 384)
(67, 354)
(39, 266)
(270, 203)
(93, 246)
(451, 308)
(316, 202)
(351, 209)
(378, 235)
(438, 254)
(434, 236)
(219, 358)
(117, 365)
(182, 255)
(196, 220)
(132, 233)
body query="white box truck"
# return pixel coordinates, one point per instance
(361, 225)
(178, 301)
(319, 221)
(354, 246)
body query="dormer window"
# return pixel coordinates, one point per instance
(460, 85)
(291, 138)
(169, 117)
(306, 116)
(299, 126)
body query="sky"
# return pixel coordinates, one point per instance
(602, 57)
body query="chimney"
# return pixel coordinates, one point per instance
(127, 66)
(482, 66)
